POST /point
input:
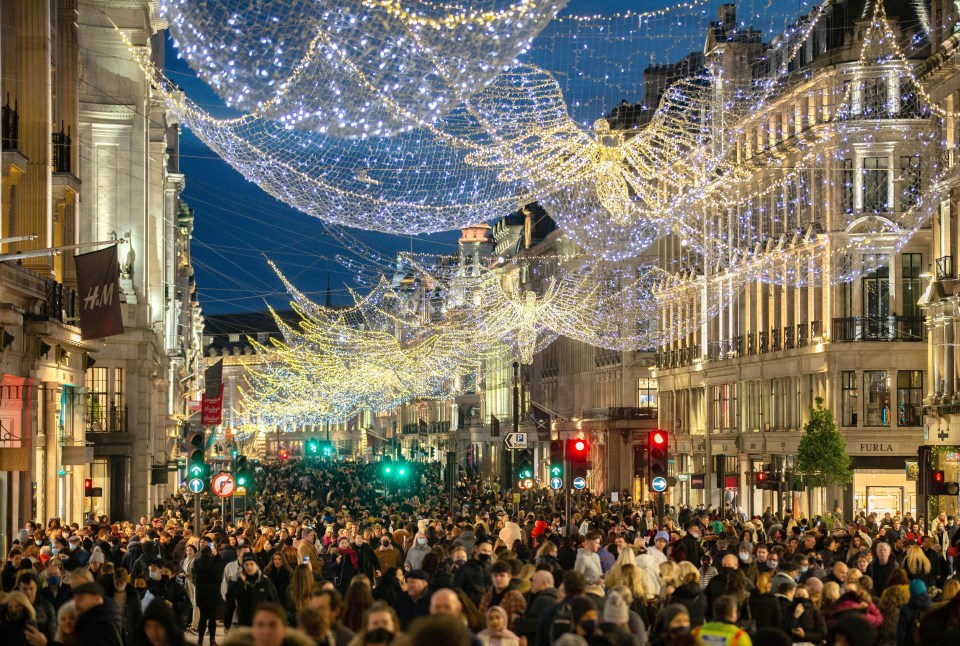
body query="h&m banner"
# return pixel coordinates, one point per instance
(98, 284)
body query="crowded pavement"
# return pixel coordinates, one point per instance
(326, 555)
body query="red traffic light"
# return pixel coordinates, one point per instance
(761, 476)
(658, 438)
(88, 483)
(938, 476)
(580, 445)
(284, 454)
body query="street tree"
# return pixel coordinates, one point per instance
(822, 457)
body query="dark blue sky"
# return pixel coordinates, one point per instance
(238, 226)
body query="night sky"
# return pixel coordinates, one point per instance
(238, 226)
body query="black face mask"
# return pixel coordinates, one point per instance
(379, 636)
(483, 558)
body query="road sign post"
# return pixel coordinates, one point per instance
(516, 440)
(224, 485)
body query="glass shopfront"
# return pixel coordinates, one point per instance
(880, 491)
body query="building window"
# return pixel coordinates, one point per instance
(846, 185)
(876, 300)
(876, 179)
(909, 397)
(874, 97)
(848, 384)
(647, 393)
(912, 262)
(909, 182)
(876, 405)
(105, 408)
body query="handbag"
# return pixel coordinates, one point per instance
(749, 624)
(953, 550)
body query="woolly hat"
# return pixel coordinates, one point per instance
(917, 587)
(615, 610)
(662, 534)
(97, 556)
(579, 606)
(746, 546)
(671, 611)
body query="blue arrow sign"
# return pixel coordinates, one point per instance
(659, 483)
(579, 483)
(195, 485)
(556, 483)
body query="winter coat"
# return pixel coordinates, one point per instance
(163, 614)
(249, 593)
(207, 573)
(909, 622)
(850, 603)
(691, 549)
(132, 611)
(691, 596)
(473, 577)
(96, 628)
(538, 603)
(415, 556)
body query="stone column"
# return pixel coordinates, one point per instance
(49, 478)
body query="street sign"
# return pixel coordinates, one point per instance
(224, 485)
(241, 491)
(683, 477)
(556, 483)
(579, 483)
(659, 483)
(195, 485)
(515, 440)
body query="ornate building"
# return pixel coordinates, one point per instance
(89, 156)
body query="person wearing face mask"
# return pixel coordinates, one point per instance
(119, 589)
(56, 590)
(416, 553)
(690, 544)
(387, 555)
(168, 589)
(673, 626)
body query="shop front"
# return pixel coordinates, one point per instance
(884, 473)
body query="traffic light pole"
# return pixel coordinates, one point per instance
(567, 484)
(516, 414)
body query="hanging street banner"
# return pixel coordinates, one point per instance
(98, 284)
(211, 407)
(494, 426)
(542, 420)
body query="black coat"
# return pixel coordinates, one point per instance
(207, 573)
(690, 547)
(249, 594)
(96, 628)
(473, 578)
(764, 609)
(691, 596)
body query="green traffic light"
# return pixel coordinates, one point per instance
(388, 470)
(556, 471)
(403, 471)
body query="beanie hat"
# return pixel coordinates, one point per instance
(579, 606)
(917, 587)
(746, 546)
(671, 611)
(97, 555)
(615, 610)
(662, 534)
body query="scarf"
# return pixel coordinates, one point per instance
(352, 554)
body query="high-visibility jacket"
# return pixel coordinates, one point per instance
(720, 633)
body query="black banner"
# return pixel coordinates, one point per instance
(494, 426)
(542, 419)
(212, 379)
(98, 284)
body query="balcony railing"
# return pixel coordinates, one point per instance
(103, 419)
(788, 343)
(775, 340)
(61, 304)
(10, 126)
(61, 151)
(802, 334)
(886, 328)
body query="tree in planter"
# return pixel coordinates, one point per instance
(822, 457)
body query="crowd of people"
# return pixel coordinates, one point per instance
(329, 553)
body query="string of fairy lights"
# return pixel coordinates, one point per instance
(422, 117)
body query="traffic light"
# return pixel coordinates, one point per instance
(639, 460)
(524, 469)
(196, 461)
(284, 454)
(386, 469)
(556, 459)
(242, 473)
(312, 447)
(762, 479)
(88, 487)
(578, 452)
(657, 456)
(326, 448)
(939, 485)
